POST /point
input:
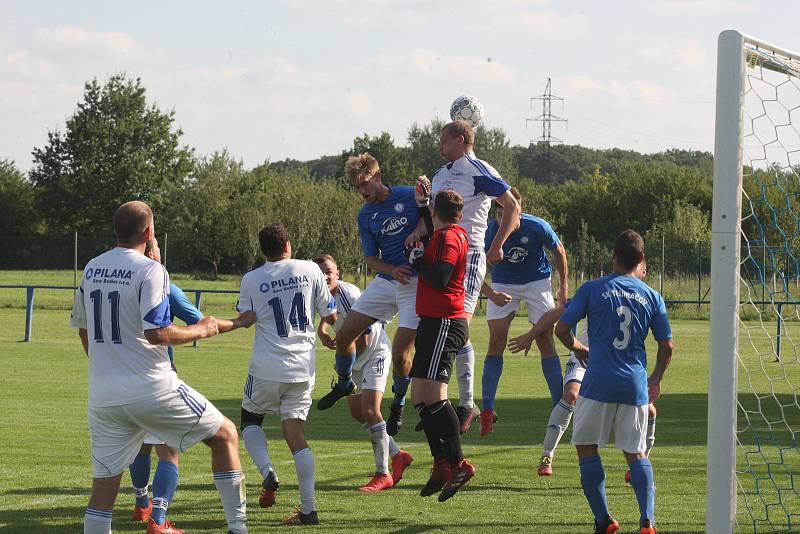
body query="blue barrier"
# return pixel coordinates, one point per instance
(198, 295)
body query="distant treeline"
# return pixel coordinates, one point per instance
(116, 147)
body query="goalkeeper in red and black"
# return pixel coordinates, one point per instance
(442, 331)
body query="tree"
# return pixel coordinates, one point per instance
(17, 211)
(115, 148)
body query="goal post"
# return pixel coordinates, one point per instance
(726, 213)
(753, 464)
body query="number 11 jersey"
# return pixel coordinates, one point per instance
(285, 295)
(123, 293)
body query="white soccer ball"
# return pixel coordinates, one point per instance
(467, 108)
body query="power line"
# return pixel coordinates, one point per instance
(546, 118)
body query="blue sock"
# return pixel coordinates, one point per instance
(645, 489)
(165, 482)
(400, 388)
(492, 369)
(593, 480)
(344, 368)
(140, 477)
(551, 368)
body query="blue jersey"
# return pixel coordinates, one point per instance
(385, 226)
(524, 258)
(620, 310)
(182, 308)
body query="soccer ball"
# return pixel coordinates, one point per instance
(467, 108)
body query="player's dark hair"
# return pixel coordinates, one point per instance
(448, 205)
(322, 258)
(462, 128)
(629, 249)
(273, 240)
(131, 220)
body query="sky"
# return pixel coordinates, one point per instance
(299, 79)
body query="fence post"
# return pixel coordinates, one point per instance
(198, 294)
(663, 267)
(75, 261)
(699, 273)
(28, 313)
(164, 250)
(778, 334)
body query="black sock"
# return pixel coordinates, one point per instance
(431, 433)
(445, 420)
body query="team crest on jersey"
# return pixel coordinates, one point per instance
(516, 254)
(393, 225)
(524, 240)
(398, 207)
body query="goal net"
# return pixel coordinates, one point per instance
(754, 384)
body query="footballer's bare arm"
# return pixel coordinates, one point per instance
(401, 273)
(508, 223)
(560, 256)
(178, 335)
(246, 319)
(84, 335)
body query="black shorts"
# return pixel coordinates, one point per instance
(438, 341)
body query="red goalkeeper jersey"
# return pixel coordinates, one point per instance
(449, 245)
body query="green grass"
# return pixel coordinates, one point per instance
(45, 473)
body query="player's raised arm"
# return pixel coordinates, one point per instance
(508, 223)
(544, 324)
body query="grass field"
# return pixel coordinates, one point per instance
(45, 471)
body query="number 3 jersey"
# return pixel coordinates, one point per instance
(123, 293)
(285, 295)
(619, 311)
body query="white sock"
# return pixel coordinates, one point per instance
(559, 420)
(256, 443)
(651, 434)
(304, 465)
(97, 521)
(393, 448)
(230, 485)
(380, 446)
(465, 371)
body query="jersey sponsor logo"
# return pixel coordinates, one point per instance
(393, 225)
(399, 207)
(264, 287)
(516, 255)
(287, 283)
(102, 272)
(621, 293)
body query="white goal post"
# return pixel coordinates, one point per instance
(743, 63)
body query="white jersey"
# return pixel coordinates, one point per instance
(122, 294)
(346, 295)
(285, 294)
(478, 183)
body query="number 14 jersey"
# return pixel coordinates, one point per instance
(285, 295)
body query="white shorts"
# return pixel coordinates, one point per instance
(375, 372)
(383, 299)
(574, 370)
(150, 439)
(593, 422)
(473, 278)
(537, 295)
(290, 400)
(179, 419)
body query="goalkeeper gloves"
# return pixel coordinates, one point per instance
(422, 192)
(414, 252)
